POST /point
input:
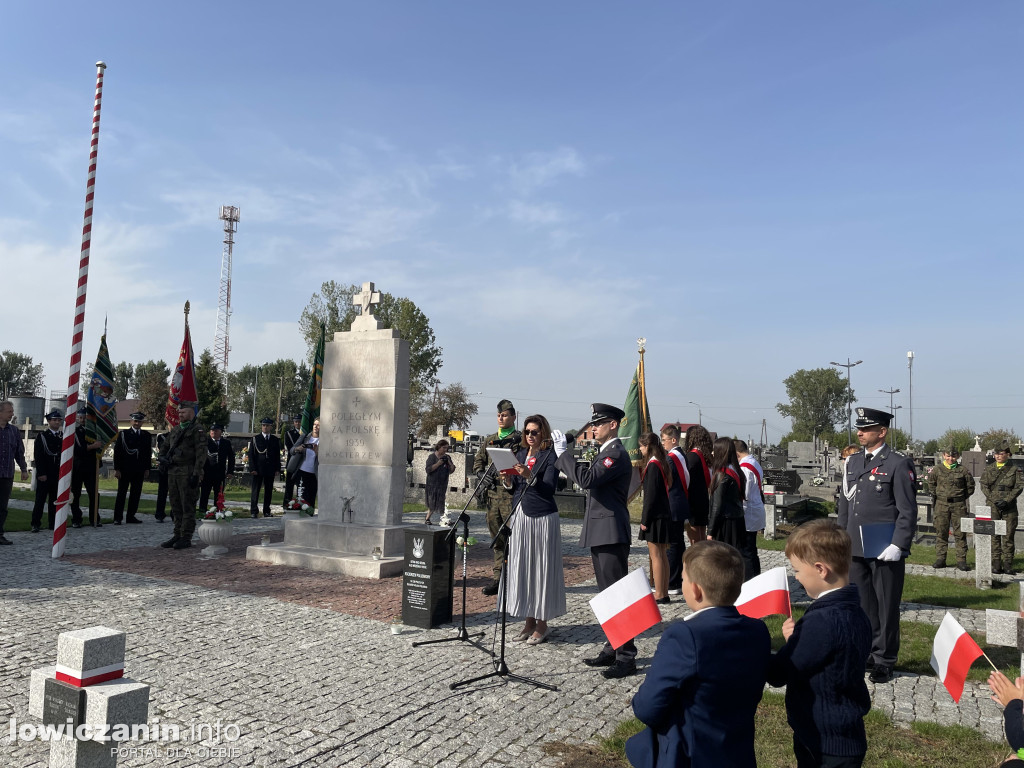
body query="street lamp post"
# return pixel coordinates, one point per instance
(700, 418)
(910, 367)
(849, 397)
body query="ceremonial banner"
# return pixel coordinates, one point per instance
(101, 415)
(311, 410)
(638, 416)
(183, 382)
(765, 595)
(953, 652)
(626, 608)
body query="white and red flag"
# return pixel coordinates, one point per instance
(765, 595)
(953, 652)
(183, 381)
(626, 608)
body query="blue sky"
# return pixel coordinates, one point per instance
(753, 187)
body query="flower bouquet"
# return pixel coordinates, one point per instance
(217, 513)
(298, 504)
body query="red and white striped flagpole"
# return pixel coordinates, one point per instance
(67, 454)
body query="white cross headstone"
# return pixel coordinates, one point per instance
(977, 443)
(983, 528)
(1007, 627)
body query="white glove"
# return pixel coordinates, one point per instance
(890, 554)
(558, 442)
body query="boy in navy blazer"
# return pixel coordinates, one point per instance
(708, 674)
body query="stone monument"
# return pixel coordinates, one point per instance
(983, 527)
(1007, 627)
(364, 409)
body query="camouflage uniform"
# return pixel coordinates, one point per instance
(187, 451)
(497, 498)
(1001, 486)
(950, 489)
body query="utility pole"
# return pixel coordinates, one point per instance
(700, 416)
(849, 397)
(910, 367)
(280, 393)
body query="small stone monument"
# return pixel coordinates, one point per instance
(769, 512)
(87, 687)
(1007, 627)
(364, 411)
(983, 528)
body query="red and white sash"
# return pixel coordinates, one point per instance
(704, 463)
(681, 469)
(757, 474)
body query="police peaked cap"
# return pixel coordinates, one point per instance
(266, 421)
(601, 412)
(138, 416)
(216, 426)
(871, 417)
(506, 405)
(54, 414)
(297, 418)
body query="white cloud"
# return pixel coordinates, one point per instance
(540, 169)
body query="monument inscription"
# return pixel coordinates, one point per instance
(62, 701)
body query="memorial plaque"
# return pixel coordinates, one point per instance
(428, 576)
(61, 701)
(985, 527)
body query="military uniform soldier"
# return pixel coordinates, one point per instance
(1001, 483)
(220, 462)
(46, 456)
(497, 498)
(950, 485)
(184, 455)
(881, 489)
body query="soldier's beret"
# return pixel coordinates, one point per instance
(601, 412)
(506, 405)
(1003, 447)
(870, 417)
(266, 421)
(54, 414)
(138, 416)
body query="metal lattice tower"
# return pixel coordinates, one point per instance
(230, 215)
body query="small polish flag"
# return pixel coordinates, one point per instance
(765, 595)
(953, 652)
(626, 608)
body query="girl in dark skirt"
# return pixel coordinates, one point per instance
(656, 520)
(725, 518)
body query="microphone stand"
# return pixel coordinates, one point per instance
(500, 667)
(464, 519)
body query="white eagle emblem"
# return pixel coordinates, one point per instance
(608, 462)
(417, 547)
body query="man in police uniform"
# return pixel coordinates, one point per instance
(220, 462)
(264, 463)
(606, 521)
(184, 455)
(83, 473)
(882, 489)
(1001, 483)
(497, 498)
(46, 456)
(133, 455)
(291, 439)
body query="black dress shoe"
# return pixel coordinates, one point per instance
(117, 522)
(170, 542)
(76, 525)
(97, 525)
(600, 661)
(255, 515)
(182, 544)
(882, 673)
(35, 529)
(268, 514)
(4, 540)
(490, 589)
(620, 669)
(870, 665)
(663, 600)
(134, 521)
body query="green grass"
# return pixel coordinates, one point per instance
(923, 745)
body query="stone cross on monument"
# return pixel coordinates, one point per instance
(367, 301)
(1006, 628)
(977, 443)
(984, 528)
(1020, 444)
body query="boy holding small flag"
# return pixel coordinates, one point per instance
(823, 661)
(707, 676)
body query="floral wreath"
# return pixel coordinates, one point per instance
(217, 511)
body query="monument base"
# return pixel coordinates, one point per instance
(327, 561)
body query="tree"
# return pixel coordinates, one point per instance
(266, 382)
(817, 402)
(897, 439)
(995, 436)
(19, 375)
(450, 408)
(333, 306)
(962, 439)
(124, 380)
(152, 385)
(210, 390)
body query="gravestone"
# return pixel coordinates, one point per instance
(87, 686)
(428, 580)
(983, 528)
(769, 512)
(1007, 627)
(784, 480)
(364, 412)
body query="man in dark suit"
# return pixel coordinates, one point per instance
(161, 483)
(606, 520)
(220, 462)
(133, 456)
(83, 473)
(882, 489)
(46, 456)
(264, 463)
(291, 439)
